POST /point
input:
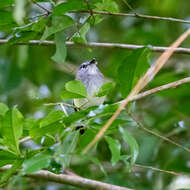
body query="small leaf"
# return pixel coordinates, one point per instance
(12, 129)
(34, 164)
(74, 89)
(64, 150)
(3, 108)
(130, 140)
(61, 50)
(105, 89)
(6, 157)
(70, 5)
(115, 148)
(131, 69)
(59, 23)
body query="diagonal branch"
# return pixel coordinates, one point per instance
(143, 81)
(103, 45)
(136, 15)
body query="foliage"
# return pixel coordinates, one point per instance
(31, 76)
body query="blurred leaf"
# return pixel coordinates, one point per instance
(6, 157)
(7, 174)
(132, 69)
(59, 23)
(48, 125)
(98, 163)
(19, 11)
(6, 3)
(70, 5)
(3, 108)
(115, 148)
(74, 89)
(108, 5)
(61, 50)
(65, 149)
(130, 140)
(5, 17)
(80, 36)
(12, 129)
(105, 89)
(34, 164)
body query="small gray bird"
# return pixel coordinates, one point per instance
(89, 74)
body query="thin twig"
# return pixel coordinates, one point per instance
(156, 134)
(60, 103)
(47, 11)
(136, 15)
(28, 138)
(103, 45)
(143, 81)
(161, 170)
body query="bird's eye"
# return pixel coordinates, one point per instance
(83, 66)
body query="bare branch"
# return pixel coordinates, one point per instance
(73, 180)
(103, 45)
(136, 15)
(46, 10)
(143, 81)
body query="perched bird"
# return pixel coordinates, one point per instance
(89, 74)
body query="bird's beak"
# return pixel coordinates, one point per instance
(93, 61)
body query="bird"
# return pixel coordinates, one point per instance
(91, 77)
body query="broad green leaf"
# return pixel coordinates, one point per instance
(19, 11)
(131, 69)
(7, 174)
(3, 108)
(115, 148)
(70, 5)
(61, 50)
(74, 89)
(98, 163)
(130, 140)
(59, 23)
(6, 18)
(48, 125)
(34, 164)
(105, 89)
(12, 129)
(107, 5)
(6, 3)
(66, 148)
(7, 157)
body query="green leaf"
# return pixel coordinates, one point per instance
(108, 5)
(34, 164)
(74, 89)
(70, 5)
(19, 11)
(115, 148)
(7, 174)
(105, 89)
(7, 157)
(132, 68)
(6, 3)
(59, 23)
(65, 149)
(12, 129)
(3, 108)
(61, 50)
(48, 125)
(130, 140)
(6, 18)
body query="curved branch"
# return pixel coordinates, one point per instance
(103, 45)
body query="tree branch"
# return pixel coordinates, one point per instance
(73, 180)
(136, 15)
(103, 45)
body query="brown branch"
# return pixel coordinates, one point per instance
(103, 45)
(143, 81)
(73, 180)
(161, 170)
(136, 15)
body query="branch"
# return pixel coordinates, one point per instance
(73, 180)
(37, 4)
(143, 81)
(136, 15)
(103, 45)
